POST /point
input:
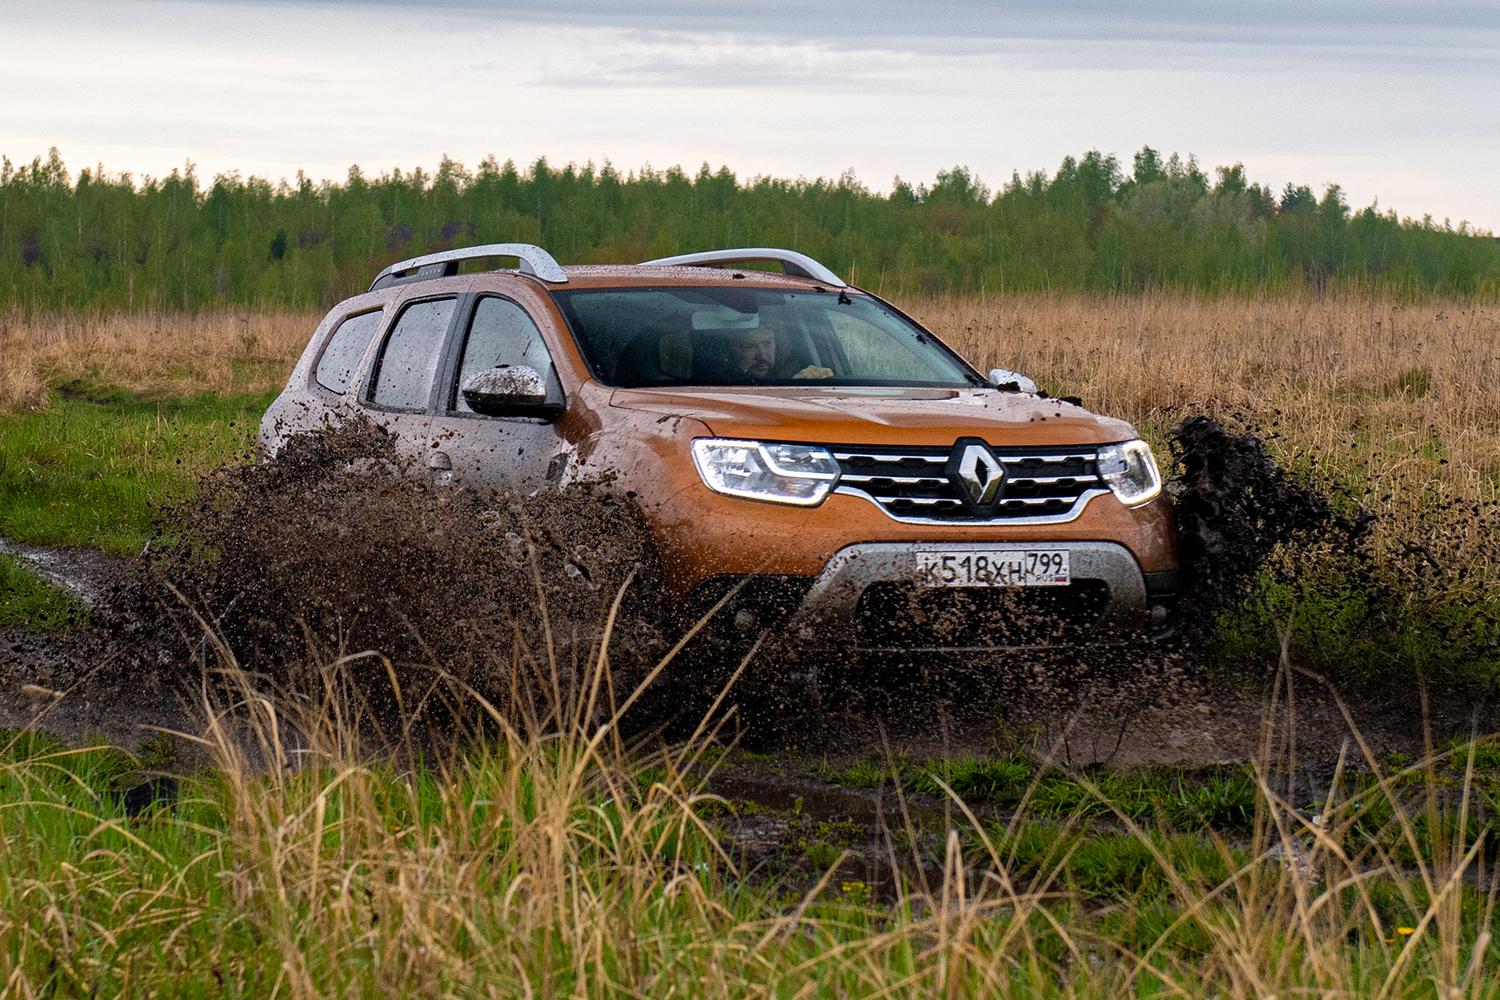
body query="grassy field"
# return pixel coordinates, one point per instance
(91, 468)
(155, 355)
(95, 466)
(1401, 397)
(551, 858)
(548, 862)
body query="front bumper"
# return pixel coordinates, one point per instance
(868, 593)
(835, 594)
(868, 599)
(701, 535)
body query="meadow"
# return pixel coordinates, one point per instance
(1397, 393)
(554, 859)
(553, 851)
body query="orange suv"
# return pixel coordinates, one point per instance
(793, 441)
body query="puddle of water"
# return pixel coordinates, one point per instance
(86, 574)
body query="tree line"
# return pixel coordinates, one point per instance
(111, 241)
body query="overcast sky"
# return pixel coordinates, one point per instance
(1395, 101)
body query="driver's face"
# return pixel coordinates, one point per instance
(754, 353)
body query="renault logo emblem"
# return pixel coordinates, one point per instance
(977, 472)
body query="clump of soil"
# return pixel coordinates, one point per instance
(334, 548)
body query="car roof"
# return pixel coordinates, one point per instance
(703, 268)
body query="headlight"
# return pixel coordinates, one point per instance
(1130, 471)
(784, 473)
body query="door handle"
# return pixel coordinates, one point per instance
(441, 467)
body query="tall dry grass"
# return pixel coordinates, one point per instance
(552, 862)
(169, 353)
(1385, 388)
(1338, 369)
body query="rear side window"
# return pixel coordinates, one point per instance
(502, 334)
(409, 357)
(345, 349)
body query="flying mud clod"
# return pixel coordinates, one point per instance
(1235, 504)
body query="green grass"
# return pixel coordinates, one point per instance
(1344, 629)
(545, 869)
(91, 469)
(1219, 798)
(999, 779)
(1104, 866)
(28, 600)
(1224, 801)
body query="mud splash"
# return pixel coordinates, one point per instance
(1360, 599)
(335, 548)
(1235, 505)
(1281, 567)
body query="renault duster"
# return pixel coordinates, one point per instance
(792, 440)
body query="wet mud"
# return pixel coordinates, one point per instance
(85, 574)
(336, 549)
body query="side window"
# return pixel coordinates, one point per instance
(502, 333)
(409, 358)
(872, 351)
(345, 349)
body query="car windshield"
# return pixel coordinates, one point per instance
(639, 337)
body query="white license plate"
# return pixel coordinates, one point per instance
(1005, 568)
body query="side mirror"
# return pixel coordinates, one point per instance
(505, 389)
(1014, 381)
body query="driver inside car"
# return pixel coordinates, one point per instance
(752, 358)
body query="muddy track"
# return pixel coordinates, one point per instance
(1109, 720)
(85, 574)
(82, 684)
(309, 554)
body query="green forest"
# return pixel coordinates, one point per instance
(113, 241)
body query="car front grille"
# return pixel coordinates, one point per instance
(914, 484)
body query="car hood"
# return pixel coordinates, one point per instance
(905, 416)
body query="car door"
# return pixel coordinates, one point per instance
(523, 450)
(399, 389)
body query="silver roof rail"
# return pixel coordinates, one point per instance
(792, 262)
(534, 260)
